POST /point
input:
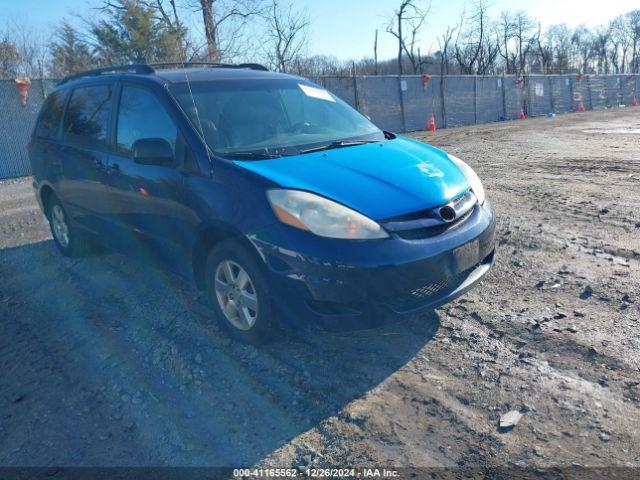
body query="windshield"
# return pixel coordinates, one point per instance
(267, 117)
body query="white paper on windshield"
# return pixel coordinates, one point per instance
(316, 93)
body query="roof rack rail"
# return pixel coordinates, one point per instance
(146, 69)
(252, 66)
(140, 68)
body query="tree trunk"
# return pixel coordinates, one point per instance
(375, 54)
(400, 42)
(213, 49)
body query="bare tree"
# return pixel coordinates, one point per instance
(444, 42)
(601, 43)
(172, 19)
(544, 45)
(210, 31)
(559, 39)
(582, 42)
(9, 58)
(224, 24)
(633, 19)
(523, 28)
(22, 51)
(505, 33)
(620, 43)
(406, 25)
(472, 51)
(318, 65)
(286, 35)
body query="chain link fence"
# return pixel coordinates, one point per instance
(403, 104)
(16, 125)
(397, 104)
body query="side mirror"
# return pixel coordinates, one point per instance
(152, 151)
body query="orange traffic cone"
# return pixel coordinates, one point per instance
(581, 107)
(522, 114)
(634, 102)
(432, 123)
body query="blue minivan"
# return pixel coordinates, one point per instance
(283, 204)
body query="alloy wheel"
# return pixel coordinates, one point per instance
(236, 295)
(60, 227)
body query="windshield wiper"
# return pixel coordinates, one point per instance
(338, 144)
(252, 155)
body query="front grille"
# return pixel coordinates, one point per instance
(429, 223)
(420, 233)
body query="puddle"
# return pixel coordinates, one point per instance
(607, 131)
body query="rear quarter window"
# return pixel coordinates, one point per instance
(86, 120)
(49, 122)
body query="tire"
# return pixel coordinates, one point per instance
(65, 235)
(228, 259)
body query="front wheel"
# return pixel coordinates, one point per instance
(239, 293)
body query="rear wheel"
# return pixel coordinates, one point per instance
(65, 235)
(239, 293)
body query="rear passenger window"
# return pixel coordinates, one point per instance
(87, 116)
(51, 115)
(141, 115)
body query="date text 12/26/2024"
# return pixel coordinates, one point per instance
(315, 473)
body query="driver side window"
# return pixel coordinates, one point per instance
(140, 116)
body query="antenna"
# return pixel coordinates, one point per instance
(201, 131)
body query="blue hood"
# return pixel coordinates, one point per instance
(380, 180)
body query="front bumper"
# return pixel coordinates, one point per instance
(345, 285)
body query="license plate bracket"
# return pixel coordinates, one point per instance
(467, 255)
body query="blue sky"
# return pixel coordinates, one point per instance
(345, 28)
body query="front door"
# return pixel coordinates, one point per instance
(146, 200)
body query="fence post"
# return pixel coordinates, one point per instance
(527, 95)
(573, 100)
(404, 122)
(589, 91)
(355, 87)
(504, 99)
(475, 100)
(551, 102)
(620, 97)
(443, 108)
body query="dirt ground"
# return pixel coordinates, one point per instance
(106, 362)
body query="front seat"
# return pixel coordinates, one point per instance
(249, 120)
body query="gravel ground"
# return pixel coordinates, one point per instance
(106, 362)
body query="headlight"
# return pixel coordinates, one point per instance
(472, 178)
(321, 216)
